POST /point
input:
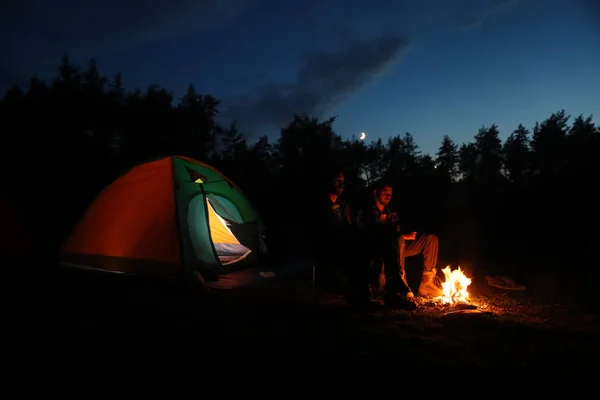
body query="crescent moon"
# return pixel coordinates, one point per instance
(362, 136)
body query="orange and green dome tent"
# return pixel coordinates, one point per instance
(174, 216)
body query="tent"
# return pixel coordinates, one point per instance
(174, 216)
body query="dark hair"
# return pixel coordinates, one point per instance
(379, 185)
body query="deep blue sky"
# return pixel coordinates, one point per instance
(428, 67)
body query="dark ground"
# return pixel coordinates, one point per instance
(74, 326)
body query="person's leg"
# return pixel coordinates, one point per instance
(393, 290)
(377, 275)
(402, 254)
(427, 245)
(391, 264)
(393, 259)
(371, 272)
(357, 258)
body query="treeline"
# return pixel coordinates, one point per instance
(531, 194)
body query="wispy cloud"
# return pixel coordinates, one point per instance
(327, 80)
(324, 82)
(490, 8)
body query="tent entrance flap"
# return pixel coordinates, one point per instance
(228, 247)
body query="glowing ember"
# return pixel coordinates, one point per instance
(455, 286)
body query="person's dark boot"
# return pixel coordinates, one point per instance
(400, 301)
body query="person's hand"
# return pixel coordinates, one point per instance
(410, 236)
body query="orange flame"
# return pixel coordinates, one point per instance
(455, 286)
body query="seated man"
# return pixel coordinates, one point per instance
(336, 240)
(389, 243)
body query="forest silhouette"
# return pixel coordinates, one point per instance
(523, 204)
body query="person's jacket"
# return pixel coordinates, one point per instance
(368, 220)
(333, 225)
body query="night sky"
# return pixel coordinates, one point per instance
(386, 67)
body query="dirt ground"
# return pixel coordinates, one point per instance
(534, 334)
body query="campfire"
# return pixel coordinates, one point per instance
(455, 287)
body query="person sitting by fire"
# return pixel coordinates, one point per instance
(336, 244)
(388, 243)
